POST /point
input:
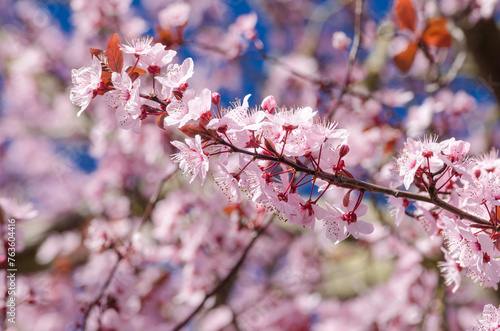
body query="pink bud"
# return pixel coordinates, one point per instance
(340, 41)
(183, 87)
(269, 104)
(344, 149)
(215, 98)
(154, 70)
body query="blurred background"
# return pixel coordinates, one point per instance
(109, 236)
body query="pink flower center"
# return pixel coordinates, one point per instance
(350, 217)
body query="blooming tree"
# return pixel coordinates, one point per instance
(328, 168)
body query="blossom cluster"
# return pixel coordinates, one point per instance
(249, 149)
(444, 171)
(122, 242)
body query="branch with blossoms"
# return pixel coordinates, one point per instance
(123, 254)
(273, 154)
(226, 280)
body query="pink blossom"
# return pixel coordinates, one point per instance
(340, 40)
(450, 271)
(157, 58)
(125, 99)
(417, 153)
(16, 209)
(269, 104)
(175, 14)
(489, 320)
(137, 45)
(227, 182)
(198, 106)
(191, 158)
(347, 220)
(86, 81)
(246, 25)
(177, 74)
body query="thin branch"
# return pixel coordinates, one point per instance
(154, 97)
(147, 212)
(352, 54)
(102, 291)
(154, 198)
(223, 283)
(351, 183)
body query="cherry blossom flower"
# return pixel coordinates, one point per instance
(157, 58)
(125, 98)
(177, 74)
(450, 271)
(175, 14)
(178, 109)
(347, 220)
(418, 153)
(137, 45)
(340, 40)
(293, 118)
(474, 252)
(489, 320)
(269, 104)
(227, 182)
(198, 106)
(191, 158)
(19, 210)
(86, 82)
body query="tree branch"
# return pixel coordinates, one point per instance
(222, 283)
(351, 183)
(352, 54)
(483, 42)
(147, 212)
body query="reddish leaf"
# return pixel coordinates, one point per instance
(139, 71)
(106, 78)
(160, 121)
(347, 198)
(270, 146)
(404, 60)
(136, 73)
(115, 55)
(233, 207)
(436, 33)
(406, 17)
(192, 130)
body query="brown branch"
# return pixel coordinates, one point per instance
(352, 54)
(147, 212)
(154, 97)
(223, 283)
(154, 199)
(483, 42)
(101, 292)
(351, 183)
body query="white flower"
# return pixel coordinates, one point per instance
(137, 45)
(125, 98)
(177, 74)
(85, 84)
(340, 40)
(227, 182)
(191, 158)
(157, 56)
(176, 14)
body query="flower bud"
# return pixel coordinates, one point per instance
(183, 87)
(205, 118)
(154, 70)
(344, 149)
(269, 104)
(216, 98)
(340, 41)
